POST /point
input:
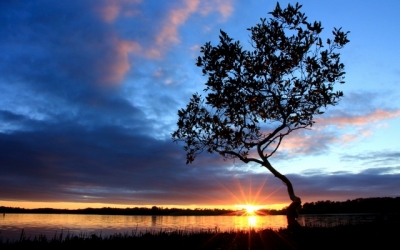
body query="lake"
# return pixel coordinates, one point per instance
(11, 225)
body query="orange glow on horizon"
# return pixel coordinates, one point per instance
(79, 205)
(239, 197)
(250, 209)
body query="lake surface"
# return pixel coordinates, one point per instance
(11, 225)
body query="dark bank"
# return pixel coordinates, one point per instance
(375, 235)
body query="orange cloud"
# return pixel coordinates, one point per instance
(224, 7)
(114, 71)
(169, 32)
(109, 10)
(359, 120)
(299, 142)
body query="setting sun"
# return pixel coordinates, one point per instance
(250, 209)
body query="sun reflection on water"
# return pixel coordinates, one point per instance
(252, 220)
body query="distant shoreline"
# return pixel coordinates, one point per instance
(380, 205)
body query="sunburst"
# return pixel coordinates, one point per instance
(250, 209)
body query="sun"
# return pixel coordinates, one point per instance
(250, 209)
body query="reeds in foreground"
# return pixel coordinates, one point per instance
(382, 235)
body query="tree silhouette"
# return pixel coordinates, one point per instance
(256, 98)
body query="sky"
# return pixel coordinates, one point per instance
(89, 94)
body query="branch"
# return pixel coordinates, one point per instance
(290, 130)
(272, 134)
(250, 144)
(245, 160)
(277, 146)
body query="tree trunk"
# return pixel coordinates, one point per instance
(296, 201)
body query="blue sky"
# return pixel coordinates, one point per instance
(89, 94)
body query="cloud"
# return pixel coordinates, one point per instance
(61, 44)
(109, 10)
(373, 158)
(168, 35)
(343, 119)
(176, 17)
(344, 186)
(115, 71)
(224, 7)
(139, 170)
(382, 170)
(66, 66)
(307, 142)
(322, 136)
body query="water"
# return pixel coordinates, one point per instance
(11, 225)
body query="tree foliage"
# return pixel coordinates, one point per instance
(254, 98)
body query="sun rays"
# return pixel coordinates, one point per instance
(249, 208)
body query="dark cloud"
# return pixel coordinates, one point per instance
(382, 170)
(48, 44)
(61, 62)
(114, 165)
(62, 51)
(80, 158)
(373, 158)
(346, 185)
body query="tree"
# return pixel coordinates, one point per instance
(256, 98)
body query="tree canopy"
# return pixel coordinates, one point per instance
(254, 98)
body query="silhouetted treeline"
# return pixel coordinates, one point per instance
(360, 205)
(119, 211)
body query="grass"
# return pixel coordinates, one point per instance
(381, 235)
